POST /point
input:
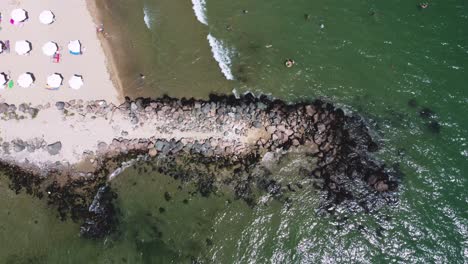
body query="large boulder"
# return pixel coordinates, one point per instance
(3, 108)
(19, 145)
(54, 148)
(60, 105)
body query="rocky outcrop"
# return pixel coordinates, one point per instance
(225, 141)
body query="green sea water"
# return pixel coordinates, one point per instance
(369, 57)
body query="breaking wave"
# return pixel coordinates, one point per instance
(147, 17)
(222, 54)
(199, 6)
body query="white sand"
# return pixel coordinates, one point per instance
(73, 21)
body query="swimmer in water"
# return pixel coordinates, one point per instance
(423, 5)
(289, 63)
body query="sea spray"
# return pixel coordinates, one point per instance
(147, 17)
(199, 7)
(222, 54)
(126, 165)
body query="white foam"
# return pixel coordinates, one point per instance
(147, 17)
(222, 54)
(199, 6)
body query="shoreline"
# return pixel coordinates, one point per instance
(111, 60)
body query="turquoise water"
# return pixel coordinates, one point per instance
(369, 57)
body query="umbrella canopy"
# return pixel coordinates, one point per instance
(19, 15)
(3, 78)
(47, 17)
(54, 80)
(74, 47)
(25, 80)
(76, 81)
(23, 47)
(50, 48)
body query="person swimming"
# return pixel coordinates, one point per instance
(289, 63)
(423, 5)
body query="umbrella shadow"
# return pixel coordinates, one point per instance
(30, 45)
(61, 77)
(32, 76)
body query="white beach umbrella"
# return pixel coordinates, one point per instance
(3, 78)
(74, 47)
(76, 81)
(19, 15)
(26, 79)
(23, 47)
(47, 17)
(54, 80)
(50, 48)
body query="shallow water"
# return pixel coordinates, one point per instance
(368, 57)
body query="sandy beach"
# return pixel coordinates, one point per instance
(73, 22)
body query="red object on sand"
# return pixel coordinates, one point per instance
(57, 57)
(12, 21)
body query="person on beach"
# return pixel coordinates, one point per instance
(100, 28)
(289, 63)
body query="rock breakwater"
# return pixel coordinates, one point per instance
(73, 148)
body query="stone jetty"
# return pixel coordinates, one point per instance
(61, 150)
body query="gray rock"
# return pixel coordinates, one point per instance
(12, 108)
(3, 108)
(261, 106)
(159, 145)
(289, 132)
(102, 146)
(23, 107)
(6, 147)
(54, 148)
(381, 186)
(31, 148)
(257, 124)
(133, 107)
(60, 105)
(310, 110)
(295, 142)
(33, 111)
(134, 120)
(19, 145)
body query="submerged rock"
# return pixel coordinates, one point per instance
(101, 218)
